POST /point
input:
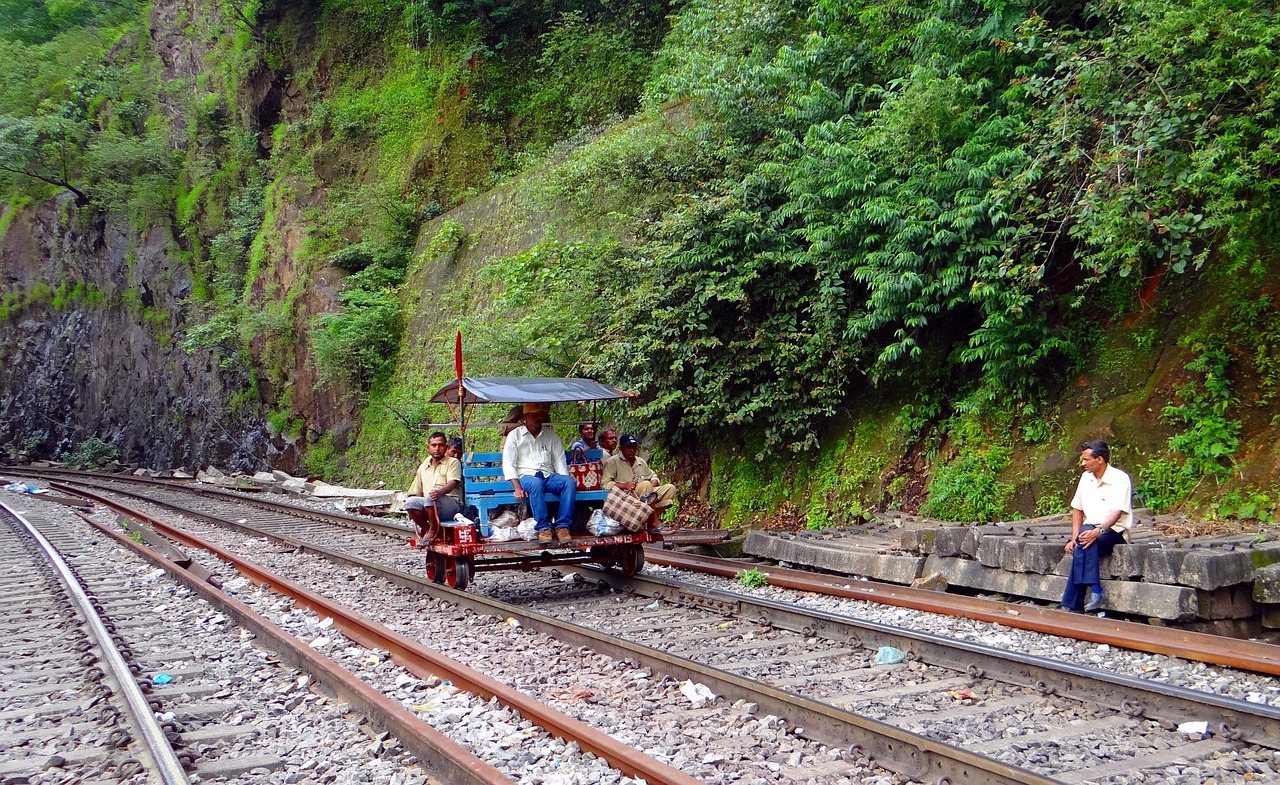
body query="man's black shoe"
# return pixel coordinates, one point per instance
(1094, 603)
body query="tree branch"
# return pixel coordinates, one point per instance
(82, 198)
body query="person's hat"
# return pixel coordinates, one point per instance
(628, 440)
(530, 408)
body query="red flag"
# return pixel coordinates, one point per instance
(457, 357)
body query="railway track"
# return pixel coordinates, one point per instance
(226, 693)
(74, 710)
(1070, 723)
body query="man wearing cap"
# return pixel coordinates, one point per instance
(1101, 516)
(631, 473)
(533, 461)
(437, 483)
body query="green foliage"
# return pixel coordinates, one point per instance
(449, 238)
(968, 488)
(965, 173)
(548, 304)
(588, 71)
(1246, 506)
(78, 295)
(283, 422)
(358, 346)
(1208, 440)
(76, 109)
(93, 453)
(748, 487)
(323, 459)
(1151, 135)
(1255, 327)
(752, 578)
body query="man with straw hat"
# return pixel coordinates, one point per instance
(533, 462)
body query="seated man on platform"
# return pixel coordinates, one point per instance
(586, 438)
(631, 473)
(437, 483)
(1101, 516)
(533, 461)
(453, 448)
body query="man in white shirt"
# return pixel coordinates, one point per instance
(533, 461)
(1101, 516)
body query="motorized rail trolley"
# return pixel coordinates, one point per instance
(460, 550)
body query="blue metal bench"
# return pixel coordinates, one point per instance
(485, 489)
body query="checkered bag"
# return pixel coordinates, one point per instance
(626, 509)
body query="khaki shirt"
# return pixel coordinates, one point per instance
(616, 470)
(429, 478)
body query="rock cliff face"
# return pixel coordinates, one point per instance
(96, 308)
(103, 362)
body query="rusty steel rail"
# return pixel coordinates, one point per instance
(161, 760)
(1214, 649)
(425, 661)
(449, 760)
(1135, 697)
(904, 752)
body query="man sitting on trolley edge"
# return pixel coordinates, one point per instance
(631, 473)
(533, 461)
(437, 483)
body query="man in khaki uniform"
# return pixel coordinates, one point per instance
(437, 483)
(630, 472)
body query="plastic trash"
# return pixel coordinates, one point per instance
(507, 519)
(698, 694)
(161, 678)
(504, 534)
(1194, 727)
(887, 655)
(528, 529)
(601, 525)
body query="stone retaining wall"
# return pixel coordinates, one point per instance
(1207, 579)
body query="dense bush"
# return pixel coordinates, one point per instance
(961, 173)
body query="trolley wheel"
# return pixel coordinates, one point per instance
(435, 567)
(457, 572)
(631, 559)
(604, 555)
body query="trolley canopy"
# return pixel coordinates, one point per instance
(518, 389)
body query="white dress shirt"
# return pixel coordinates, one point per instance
(1098, 498)
(524, 454)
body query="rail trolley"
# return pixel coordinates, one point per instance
(459, 550)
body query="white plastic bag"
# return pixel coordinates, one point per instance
(699, 695)
(507, 520)
(504, 534)
(602, 526)
(528, 529)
